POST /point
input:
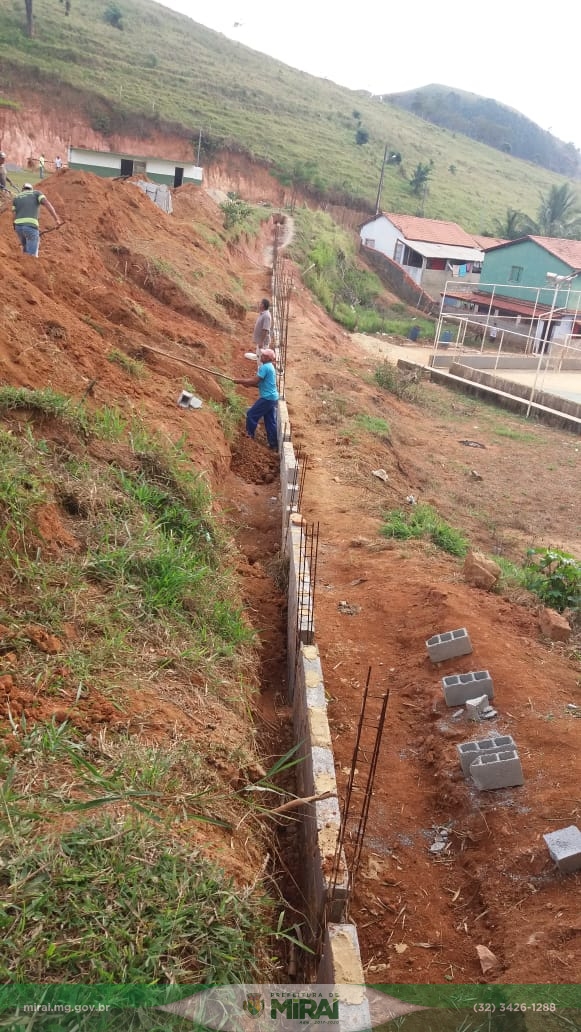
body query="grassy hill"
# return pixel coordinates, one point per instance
(164, 70)
(489, 122)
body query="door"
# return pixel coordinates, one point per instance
(126, 166)
(178, 176)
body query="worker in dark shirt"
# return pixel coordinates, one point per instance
(26, 208)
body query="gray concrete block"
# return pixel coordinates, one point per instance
(497, 769)
(469, 751)
(565, 848)
(458, 688)
(475, 707)
(449, 644)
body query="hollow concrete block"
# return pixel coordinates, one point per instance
(458, 688)
(470, 751)
(564, 848)
(449, 644)
(497, 769)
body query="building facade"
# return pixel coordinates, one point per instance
(111, 165)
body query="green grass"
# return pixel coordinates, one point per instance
(130, 365)
(372, 425)
(515, 434)
(230, 412)
(100, 884)
(422, 521)
(164, 70)
(123, 901)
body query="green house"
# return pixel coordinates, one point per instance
(518, 269)
(111, 165)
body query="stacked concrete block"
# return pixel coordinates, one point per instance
(498, 769)
(565, 848)
(288, 485)
(300, 626)
(458, 688)
(470, 751)
(448, 645)
(341, 970)
(316, 776)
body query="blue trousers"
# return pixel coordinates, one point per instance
(263, 409)
(29, 237)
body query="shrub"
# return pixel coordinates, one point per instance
(555, 577)
(113, 15)
(392, 379)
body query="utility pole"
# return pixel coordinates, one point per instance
(380, 187)
(199, 148)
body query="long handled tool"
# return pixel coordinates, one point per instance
(184, 361)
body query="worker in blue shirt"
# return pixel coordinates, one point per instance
(265, 405)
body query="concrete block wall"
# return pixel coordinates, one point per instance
(321, 819)
(341, 968)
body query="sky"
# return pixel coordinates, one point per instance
(516, 52)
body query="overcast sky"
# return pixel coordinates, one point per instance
(516, 52)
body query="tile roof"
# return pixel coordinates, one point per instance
(433, 231)
(569, 251)
(484, 242)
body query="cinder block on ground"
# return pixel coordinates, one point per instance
(449, 644)
(494, 769)
(469, 751)
(458, 688)
(565, 848)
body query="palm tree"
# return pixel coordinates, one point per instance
(558, 214)
(513, 226)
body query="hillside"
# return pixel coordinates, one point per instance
(164, 77)
(492, 123)
(143, 628)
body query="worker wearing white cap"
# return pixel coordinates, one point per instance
(26, 208)
(265, 405)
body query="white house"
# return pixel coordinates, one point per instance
(430, 251)
(160, 170)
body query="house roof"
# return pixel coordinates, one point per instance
(486, 242)
(510, 305)
(567, 251)
(459, 254)
(431, 231)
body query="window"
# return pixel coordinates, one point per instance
(516, 272)
(368, 242)
(398, 253)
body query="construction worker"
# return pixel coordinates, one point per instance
(4, 176)
(262, 327)
(265, 405)
(26, 208)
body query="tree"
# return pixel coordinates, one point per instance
(28, 6)
(361, 136)
(113, 15)
(420, 176)
(558, 214)
(515, 225)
